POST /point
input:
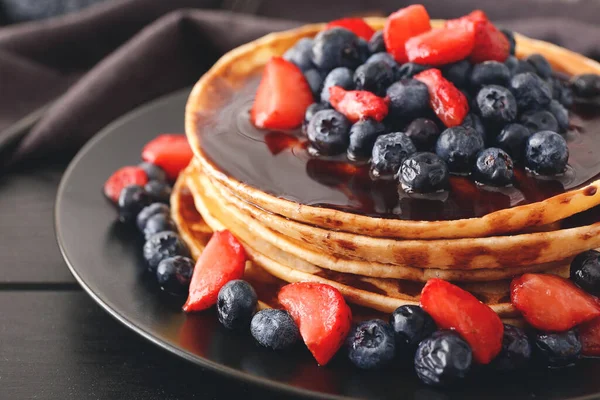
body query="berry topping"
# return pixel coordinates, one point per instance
(512, 139)
(158, 223)
(454, 308)
(362, 138)
(328, 131)
(236, 304)
(474, 122)
(322, 315)
(300, 54)
(312, 110)
(121, 178)
(153, 172)
(158, 191)
(163, 245)
(440, 46)
(222, 260)
(358, 104)
(149, 211)
(516, 350)
(424, 173)
(530, 91)
(424, 133)
(557, 349)
(385, 58)
(411, 325)
(516, 66)
(490, 43)
(552, 303)
(356, 25)
(458, 73)
(371, 344)
(282, 96)
(537, 121)
(376, 43)
(510, 36)
(459, 147)
(274, 329)
(409, 99)
(585, 271)
(410, 69)
(336, 47)
(489, 73)
(132, 200)
(586, 85)
(443, 358)
(561, 115)
(541, 66)
(497, 106)
(342, 77)
(402, 25)
(546, 153)
(171, 152)
(494, 167)
(389, 151)
(589, 334)
(315, 81)
(174, 274)
(448, 103)
(374, 77)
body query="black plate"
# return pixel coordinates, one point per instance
(105, 257)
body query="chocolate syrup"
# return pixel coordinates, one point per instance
(279, 163)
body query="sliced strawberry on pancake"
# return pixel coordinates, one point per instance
(358, 104)
(403, 25)
(441, 46)
(171, 152)
(356, 25)
(448, 103)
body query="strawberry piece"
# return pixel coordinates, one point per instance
(322, 315)
(403, 25)
(552, 303)
(448, 103)
(358, 104)
(169, 151)
(589, 334)
(222, 260)
(356, 25)
(473, 16)
(454, 308)
(282, 97)
(121, 178)
(441, 46)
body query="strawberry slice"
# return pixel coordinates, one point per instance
(589, 334)
(282, 97)
(454, 308)
(356, 25)
(121, 178)
(169, 151)
(322, 315)
(401, 26)
(358, 104)
(441, 46)
(552, 303)
(448, 103)
(222, 260)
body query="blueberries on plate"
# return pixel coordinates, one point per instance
(374, 77)
(561, 115)
(586, 85)
(443, 358)
(512, 140)
(411, 325)
(516, 350)
(301, 54)
(511, 39)
(274, 329)
(371, 344)
(389, 151)
(497, 106)
(410, 69)
(493, 167)
(585, 271)
(158, 191)
(409, 99)
(546, 153)
(376, 43)
(148, 211)
(530, 91)
(557, 349)
(236, 304)
(315, 81)
(342, 77)
(489, 73)
(459, 146)
(158, 223)
(336, 47)
(174, 274)
(362, 138)
(541, 65)
(423, 132)
(328, 132)
(153, 172)
(424, 173)
(313, 109)
(458, 73)
(537, 121)
(132, 200)
(163, 245)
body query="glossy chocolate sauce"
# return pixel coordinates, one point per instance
(279, 163)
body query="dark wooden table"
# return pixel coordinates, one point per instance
(55, 342)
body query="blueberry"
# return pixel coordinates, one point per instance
(158, 191)
(274, 329)
(363, 50)
(586, 85)
(383, 57)
(376, 43)
(362, 137)
(458, 73)
(537, 121)
(424, 133)
(313, 109)
(374, 77)
(388, 153)
(149, 211)
(561, 115)
(493, 167)
(516, 350)
(174, 274)
(300, 54)
(236, 304)
(562, 93)
(489, 73)
(512, 63)
(336, 47)
(328, 132)
(512, 140)
(371, 344)
(473, 121)
(541, 66)
(411, 325)
(343, 77)
(443, 358)
(511, 39)
(315, 81)
(409, 99)
(530, 91)
(546, 153)
(497, 106)
(163, 245)
(158, 223)
(410, 69)
(585, 271)
(132, 200)
(557, 349)
(424, 173)
(459, 146)
(153, 172)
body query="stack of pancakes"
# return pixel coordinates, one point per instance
(377, 263)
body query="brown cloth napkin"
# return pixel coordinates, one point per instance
(95, 65)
